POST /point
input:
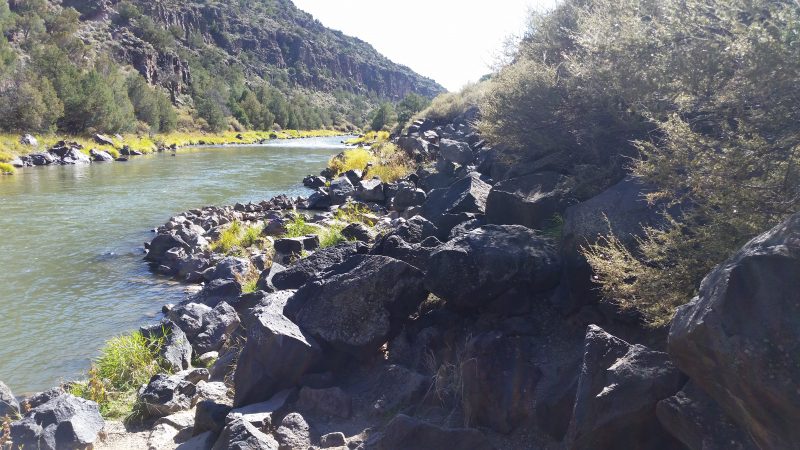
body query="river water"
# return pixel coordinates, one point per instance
(71, 269)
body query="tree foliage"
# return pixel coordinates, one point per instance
(701, 93)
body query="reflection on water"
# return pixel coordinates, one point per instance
(71, 273)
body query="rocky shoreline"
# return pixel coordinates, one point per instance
(450, 323)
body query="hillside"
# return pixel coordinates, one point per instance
(259, 62)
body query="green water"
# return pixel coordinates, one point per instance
(71, 269)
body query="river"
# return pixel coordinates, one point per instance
(71, 244)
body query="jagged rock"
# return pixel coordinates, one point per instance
(161, 244)
(697, 420)
(314, 182)
(75, 156)
(319, 200)
(407, 196)
(414, 146)
(499, 381)
(312, 266)
(416, 230)
(176, 349)
(276, 354)
(103, 140)
(532, 200)
(293, 433)
(210, 416)
(262, 415)
(228, 268)
(9, 406)
(202, 441)
(331, 402)
(619, 387)
(289, 246)
(447, 207)
(354, 175)
(395, 247)
(555, 396)
(41, 398)
(455, 151)
(341, 189)
(217, 327)
(243, 436)
(479, 266)
(168, 394)
(397, 387)
(172, 428)
(63, 422)
(738, 339)
(218, 290)
(371, 191)
(406, 432)
(357, 232)
(264, 282)
(213, 390)
(275, 227)
(358, 306)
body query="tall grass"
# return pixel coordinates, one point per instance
(386, 161)
(125, 363)
(6, 168)
(353, 159)
(299, 228)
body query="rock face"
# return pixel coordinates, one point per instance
(697, 421)
(407, 432)
(64, 422)
(499, 381)
(618, 389)
(310, 267)
(738, 339)
(9, 406)
(277, 353)
(357, 307)
(532, 201)
(479, 266)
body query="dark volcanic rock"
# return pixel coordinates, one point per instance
(277, 353)
(499, 381)
(341, 189)
(738, 339)
(618, 389)
(161, 244)
(479, 266)
(176, 349)
(455, 151)
(406, 196)
(358, 306)
(357, 232)
(697, 421)
(64, 422)
(532, 201)
(371, 191)
(241, 435)
(447, 207)
(312, 266)
(210, 416)
(406, 432)
(217, 327)
(168, 394)
(229, 268)
(416, 230)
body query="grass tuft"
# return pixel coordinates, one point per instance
(7, 169)
(237, 238)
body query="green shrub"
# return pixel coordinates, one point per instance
(332, 235)
(234, 239)
(6, 168)
(299, 228)
(696, 97)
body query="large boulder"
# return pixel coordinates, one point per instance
(623, 210)
(64, 422)
(474, 269)
(277, 353)
(406, 432)
(358, 306)
(456, 152)
(618, 389)
(159, 246)
(293, 433)
(738, 339)
(100, 156)
(406, 195)
(217, 327)
(312, 266)
(696, 419)
(341, 189)
(168, 394)
(447, 207)
(531, 200)
(9, 406)
(499, 381)
(395, 247)
(230, 267)
(371, 191)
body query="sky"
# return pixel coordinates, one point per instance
(452, 41)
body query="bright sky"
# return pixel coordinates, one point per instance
(452, 41)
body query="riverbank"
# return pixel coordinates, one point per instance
(437, 316)
(28, 150)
